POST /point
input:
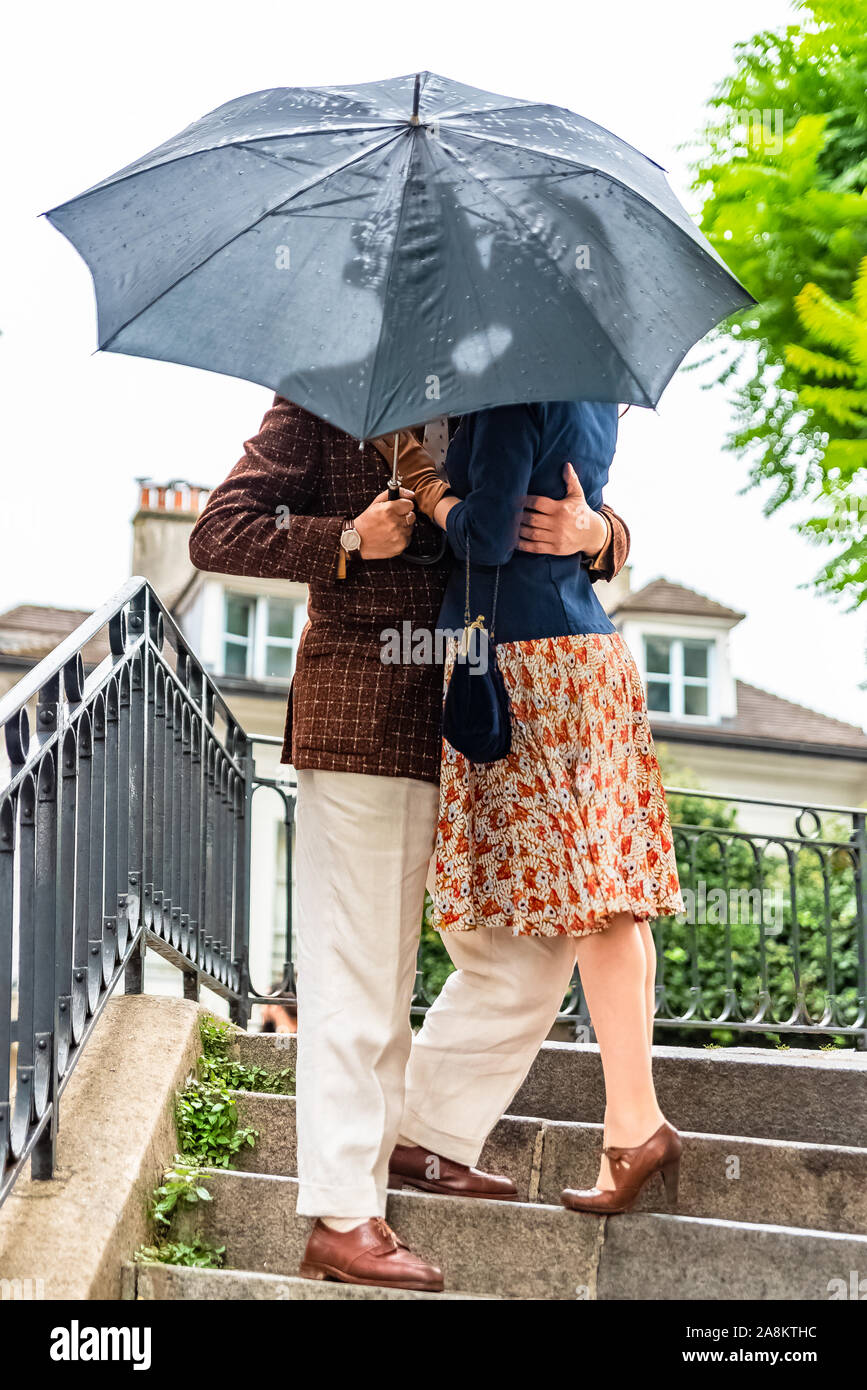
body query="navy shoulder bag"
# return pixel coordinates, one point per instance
(477, 717)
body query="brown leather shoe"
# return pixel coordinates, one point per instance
(369, 1254)
(412, 1166)
(631, 1170)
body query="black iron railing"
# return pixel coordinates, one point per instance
(774, 938)
(125, 820)
(125, 824)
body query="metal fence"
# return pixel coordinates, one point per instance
(774, 938)
(125, 824)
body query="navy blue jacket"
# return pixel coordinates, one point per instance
(496, 458)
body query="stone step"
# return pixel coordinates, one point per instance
(273, 1051)
(811, 1097)
(816, 1186)
(163, 1283)
(534, 1251)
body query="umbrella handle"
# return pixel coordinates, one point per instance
(394, 496)
(394, 481)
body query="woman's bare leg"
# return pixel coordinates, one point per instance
(614, 968)
(650, 978)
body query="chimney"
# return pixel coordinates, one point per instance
(161, 530)
(614, 592)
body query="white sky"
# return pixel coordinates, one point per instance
(89, 87)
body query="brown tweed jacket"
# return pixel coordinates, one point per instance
(348, 711)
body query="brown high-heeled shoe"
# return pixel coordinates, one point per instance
(632, 1169)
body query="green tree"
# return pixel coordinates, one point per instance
(782, 169)
(835, 390)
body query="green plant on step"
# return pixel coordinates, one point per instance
(216, 1067)
(238, 1076)
(217, 1035)
(194, 1254)
(207, 1122)
(206, 1118)
(181, 1187)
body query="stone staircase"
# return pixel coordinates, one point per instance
(773, 1191)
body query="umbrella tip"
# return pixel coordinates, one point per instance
(416, 91)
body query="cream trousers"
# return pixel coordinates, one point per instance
(362, 852)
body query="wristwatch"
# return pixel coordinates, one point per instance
(349, 537)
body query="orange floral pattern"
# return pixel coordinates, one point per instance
(573, 826)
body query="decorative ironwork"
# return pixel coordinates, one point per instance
(774, 937)
(124, 824)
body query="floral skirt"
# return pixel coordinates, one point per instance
(572, 827)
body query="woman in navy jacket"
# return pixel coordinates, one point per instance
(569, 834)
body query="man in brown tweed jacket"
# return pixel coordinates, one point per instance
(364, 737)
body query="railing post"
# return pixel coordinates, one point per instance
(289, 982)
(46, 1072)
(43, 1156)
(239, 1005)
(43, 1153)
(859, 843)
(133, 975)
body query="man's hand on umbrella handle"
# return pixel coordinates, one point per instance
(385, 527)
(563, 527)
(416, 468)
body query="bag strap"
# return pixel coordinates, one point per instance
(468, 622)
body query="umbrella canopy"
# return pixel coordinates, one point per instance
(390, 252)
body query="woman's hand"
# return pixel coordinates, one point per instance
(563, 527)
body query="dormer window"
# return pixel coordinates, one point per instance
(678, 671)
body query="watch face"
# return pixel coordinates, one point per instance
(350, 539)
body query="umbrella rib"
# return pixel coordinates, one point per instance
(578, 167)
(581, 170)
(388, 277)
(541, 106)
(244, 230)
(132, 173)
(464, 163)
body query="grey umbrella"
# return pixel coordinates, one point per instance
(390, 252)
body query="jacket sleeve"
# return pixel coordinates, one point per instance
(261, 520)
(488, 519)
(609, 561)
(416, 469)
